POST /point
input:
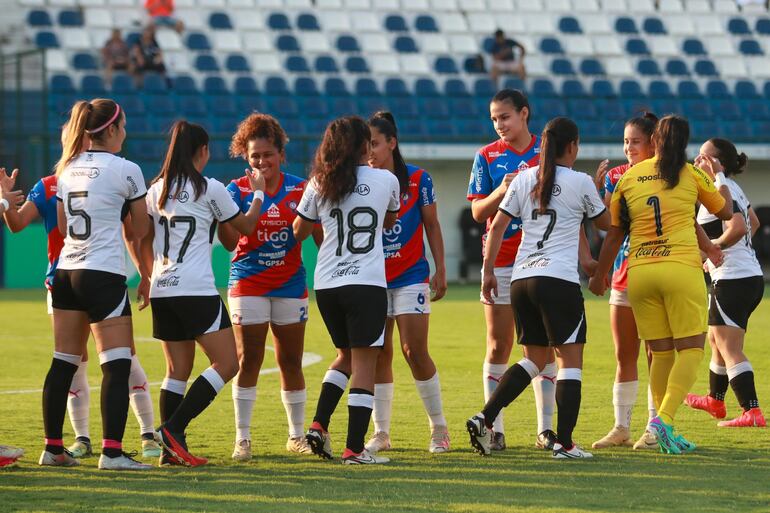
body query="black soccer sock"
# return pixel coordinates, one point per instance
(745, 392)
(55, 393)
(360, 406)
(116, 366)
(718, 382)
(515, 380)
(568, 395)
(334, 384)
(201, 393)
(169, 402)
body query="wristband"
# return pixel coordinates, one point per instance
(5, 204)
(259, 195)
(719, 179)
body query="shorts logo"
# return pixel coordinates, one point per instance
(237, 319)
(362, 189)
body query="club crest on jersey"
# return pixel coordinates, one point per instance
(273, 211)
(181, 196)
(362, 189)
(293, 206)
(523, 166)
(556, 190)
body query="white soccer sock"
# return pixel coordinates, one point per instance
(294, 404)
(139, 394)
(652, 411)
(739, 368)
(383, 407)
(243, 403)
(492, 372)
(78, 402)
(544, 387)
(430, 393)
(623, 399)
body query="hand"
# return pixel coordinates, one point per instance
(590, 267)
(7, 182)
(601, 172)
(14, 198)
(438, 285)
(710, 165)
(256, 179)
(143, 293)
(715, 255)
(489, 287)
(507, 179)
(598, 284)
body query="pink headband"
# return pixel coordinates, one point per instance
(108, 123)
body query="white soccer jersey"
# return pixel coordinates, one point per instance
(549, 246)
(351, 252)
(94, 188)
(184, 231)
(740, 260)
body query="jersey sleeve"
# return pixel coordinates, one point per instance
(394, 202)
(593, 206)
(511, 204)
(37, 197)
(133, 182)
(151, 201)
(220, 202)
(308, 206)
(427, 192)
(616, 204)
(235, 193)
(480, 185)
(708, 194)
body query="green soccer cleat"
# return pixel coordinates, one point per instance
(664, 434)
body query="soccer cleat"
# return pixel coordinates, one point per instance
(242, 450)
(646, 442)
(167, 460)
(8, 462)
(498, 442)
(575, 452)
(176, 445)
(65, 459)
(545, 440)
(362, 458)
(81, 448)
(664, 435)
(150, 449)
(11, 453)
(714, 407)
(749, 418)
(439, 440)
(618, 436)
(298, 445)
(379, 442)
(125, 461)
(319, 441)
(481, 437)
(684, 444)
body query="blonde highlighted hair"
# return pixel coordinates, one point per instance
(87, 120)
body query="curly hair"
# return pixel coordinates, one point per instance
(257, 126)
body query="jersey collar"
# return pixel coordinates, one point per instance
(525, 150)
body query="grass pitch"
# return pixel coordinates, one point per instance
(730, 471)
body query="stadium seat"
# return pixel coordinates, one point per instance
(717, 89)
(161, 105)
(206, 63)
(395, 23)
(62, 84)
(122, 83)
(631, 89)
(766, 90)
(38, 18)
(84, 61)
(46, 40)
(515, 83)
(648, 67)
(756, 110)
(654, 26)
(728, 110)
(677, 68)
(750, 47)
(435, 108)
(336, 87)
(426, 23)
(347, 44)
(738, 27)
(307, 21)
(314, 107)
(689, 89)
(326, 64)
(660, 89)
(562, 67)
(276, 86)
(356, 65)
(184, 84)
(245, 86)
(705, 68)
(287, 43)
(237, 63)
(570, 25)
(693, 47)
(484, 88)
(573, 89)
(591, 67)
(456, 88)
(198, 41)
(395, 87)
(746, 90)
(69, 18)
(549, 45)
(278, 21)
(135, 105)
(342, 106)
(446, 66)
(698, 110)
(405, 44)
(297, 64)
(603, 89)
(193, 106)
(306, 86)
(763, 26)
(625, 25)
(581, 110)
(220, 21)
(426, 88)
(367, 88)
(552, 108)
(464, 108)
(542, 88)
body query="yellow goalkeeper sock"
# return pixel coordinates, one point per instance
(662, 361)
(682, 378)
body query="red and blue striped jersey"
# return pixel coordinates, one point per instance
(43, 196)
(405, 262)
(269, 261)
(490, 166)
(620, 267)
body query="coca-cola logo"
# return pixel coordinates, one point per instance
(352, 270)
(661, 250)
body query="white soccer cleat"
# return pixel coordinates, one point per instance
(122, 462)
(81, 449)
(618, 436)
(646, 442)
(319, 441)
(65, 459)
(575, 452)
(379, 442)
(10, 452)
(362, 458)
(439, 440)
(481, 437)
(151, 449)
(298, 445)
(242, 450)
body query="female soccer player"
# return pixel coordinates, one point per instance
(409, 288)
(665, 283)
(551, 201)
(353, 202)
(267, 282)
(186, 307)
(89, 285)
(494, 167)
(41, 203)
(736, 290)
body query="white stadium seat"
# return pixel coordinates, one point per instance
(733, 68)
(499, 6)
(360, 5)
(596, 24)
(226, 41)
(240, 4)
(32, 3)
(663, 47)
(720, 46)
(266, 63)
(257, 42)
(336, 21)
(453, 23)
(169, 40)
(709, 25)
(434, 43)
(414, 64)
(384, 63)
(697, 6)
(444, 5)
(558, 6)
(725, 6)
(530, 6)
(463, 44)
(579, 45)
(322, 5)
(642, 6)
(481, 23)
(415, 5)
(192, 19)
(247, 19)
(680, 25)
(298, 4)
(211, 4)
(539, 23)
(76, 39)
(607, 45)
(98, 18)
(585, 5)
(618, 67)
(178, 62)
(269, 4)
(376, 42)
(56, 60)
(537, 67)
(757, 67)
(511, 24)
(314, 42)
(366, 21)
(667, 6)
(473, 5)
(618, 6)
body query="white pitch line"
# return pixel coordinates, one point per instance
(307, 360)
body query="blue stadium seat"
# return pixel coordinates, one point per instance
(543, 88)
(705, 68)
(648, 67)
(750, 47)
(631, 89)
(293, 126)
(287, 43)
(92, 85)
(46, 39)
(404, 108)
(693, 47)
(314, 127)
(446, 66)
(206, 63)
(763, 26)
(760, 129)
(660, 89)
(369, 106)
(654, 26)
(716, 89)
(336, 87)
(677, 68)
(756, 110)
(395, 23)
(426, 23)
(463, 108)
(356, 64)
(223, 106)
(661, 107)
(699, 110)
(193, 106)
(342, 106)
(84, 61)
(476, 126)
(306, 86)
(739, 131)
(412, 128)
(395, 87)
(612, 110)
(198, 41)
(405, 44)
(471, 66)
(278, 21)
(297, 64)
(38, 18)
(484, 88)
(69, 18)
(237, 63)
(184, 84)
(591, 67)
(550, 45)
(62, 84)
(326, 64)
(689, 89)
(573, 89)
(636, 46)
(456, 88)
(570, 25)
(488, 44)
(426, 88)
(122, 83)
(728, 110)
(284, 107)
(276, 86)
(552, 108)
(746, 90)
(624, 25)
(514, 83)
(314, 107)
(435, 108)
(603, 89)
(581, 111)
(308, 21)
(250, 103)
(368, 88)
(245, 85)
(220, 21)
(702, 130)
(562, 67)
(132, 38)
(766, 89)
(348, 44)
(738, 27)
(161, 104)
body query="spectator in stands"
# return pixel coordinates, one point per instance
(116, 55)
(504, 57)
(161, 12)
(147, 54)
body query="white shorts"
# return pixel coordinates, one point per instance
(247, 310)
(503, 275)
(49, 302)
(412, 299)
(619, 298)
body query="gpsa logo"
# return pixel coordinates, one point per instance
(363, 189)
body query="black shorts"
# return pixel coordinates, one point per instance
(731, 302)
(548, 312)
(187, 317)
(100, 294)
(354, 314)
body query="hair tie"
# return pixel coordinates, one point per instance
(108, 123)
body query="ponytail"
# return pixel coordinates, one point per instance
(728, 156)
(557, 135)
(344, 143)
(646, 123)
(671, 137)
(178, 168)
(385, 123)
(87, 119)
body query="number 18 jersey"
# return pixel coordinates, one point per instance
(351, 252)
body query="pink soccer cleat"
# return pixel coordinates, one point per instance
(749, 418)
(714, 407)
